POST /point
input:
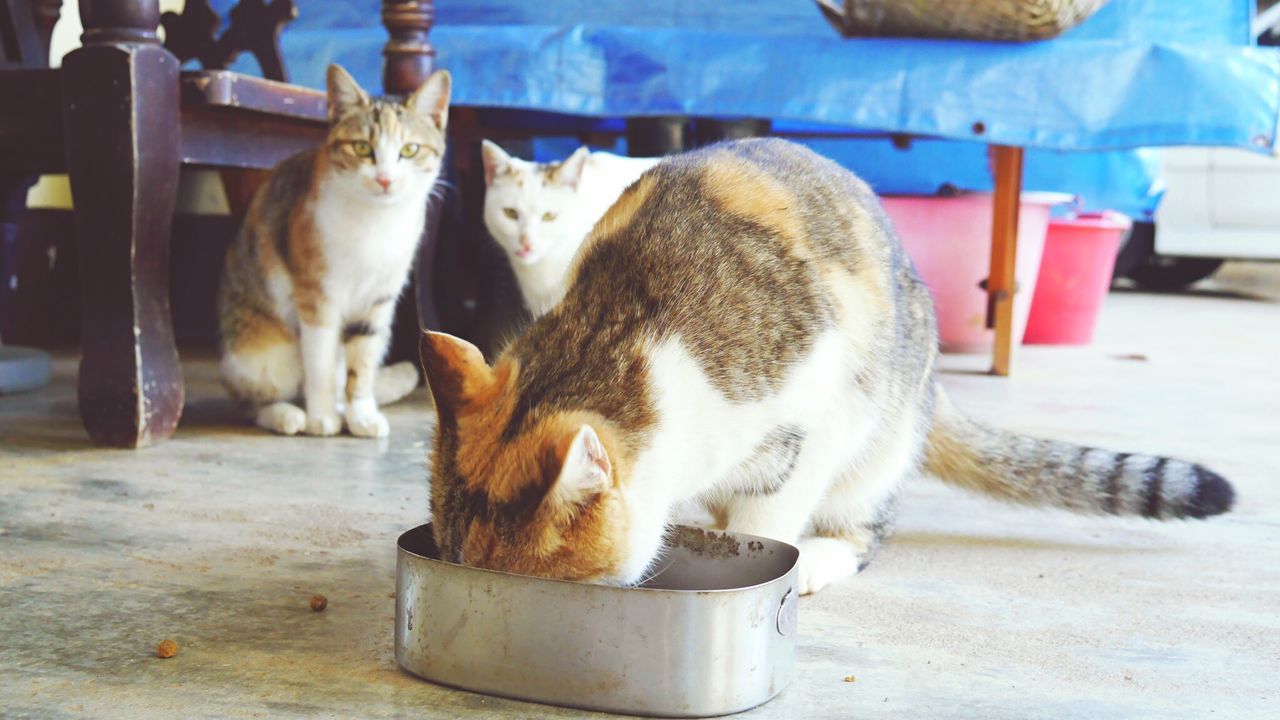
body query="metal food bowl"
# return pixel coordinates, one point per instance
(712, 633)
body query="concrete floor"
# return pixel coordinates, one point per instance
(218, 538)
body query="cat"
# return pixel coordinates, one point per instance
(539, 213)
(311, 282)
(742, 330)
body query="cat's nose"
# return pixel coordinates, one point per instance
(384, 181)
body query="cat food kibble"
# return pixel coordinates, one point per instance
(319, 602)
(166, 649)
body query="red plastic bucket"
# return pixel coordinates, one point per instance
(949, 241)
(1075, 274)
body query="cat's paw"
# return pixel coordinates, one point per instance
(283, 418)
(323, 424)
(824, 561)
(366, 421)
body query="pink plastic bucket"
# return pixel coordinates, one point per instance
(949, 240)
(1075, 274)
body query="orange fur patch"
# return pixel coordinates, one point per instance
(861, 302)
(535, 457)
(254, 227)
(258, 333)
(559, 539)
(307, 261)
(747, 191)
(458, 374)
(624, 210)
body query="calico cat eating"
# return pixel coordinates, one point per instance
(743, 330)
(311, 282)
(539, 213)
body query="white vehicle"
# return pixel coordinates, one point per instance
(1219, 203)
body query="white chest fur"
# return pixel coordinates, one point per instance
(368, 245)
(702, 436)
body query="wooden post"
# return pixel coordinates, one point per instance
(121, 115)
(408, 57)
(1001, 282)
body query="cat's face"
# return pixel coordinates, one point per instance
(385, 150)
(530, 208)
(547, 500)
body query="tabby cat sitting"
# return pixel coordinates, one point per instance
(310, 284)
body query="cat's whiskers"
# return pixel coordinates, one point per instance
(651, 575)
(440, 190)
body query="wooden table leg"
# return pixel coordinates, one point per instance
(1001, 283)
(120, 113)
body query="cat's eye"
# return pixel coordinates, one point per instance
(511, 213)
(409, 150)
(362, 149)
(548, 216)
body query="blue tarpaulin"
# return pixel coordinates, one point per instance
(1139, 73)
(1124, 181)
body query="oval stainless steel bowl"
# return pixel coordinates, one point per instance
(713, 633)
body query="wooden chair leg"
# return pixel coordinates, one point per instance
(1001, 282)
(120, 95)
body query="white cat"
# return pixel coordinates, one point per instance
(541, 212)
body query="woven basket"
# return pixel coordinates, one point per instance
(968, 19)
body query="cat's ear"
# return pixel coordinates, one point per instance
(584, 468)
(455, 370)
(495, 158)
(431, 100)
(345, 93)
(570, 171)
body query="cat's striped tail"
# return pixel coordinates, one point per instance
(1022, 469)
